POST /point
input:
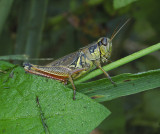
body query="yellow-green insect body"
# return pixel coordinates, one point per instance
(76, 64)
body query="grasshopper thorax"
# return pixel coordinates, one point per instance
(105, 46)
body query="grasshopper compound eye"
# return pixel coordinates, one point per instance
(104, 41)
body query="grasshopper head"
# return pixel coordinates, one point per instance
(105, 45)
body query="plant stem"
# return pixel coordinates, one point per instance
(121, 62)
(5, 7)
(35, 27)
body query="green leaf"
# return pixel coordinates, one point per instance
(34, 104)
(5, 65)
(122, 3)
(127, 84)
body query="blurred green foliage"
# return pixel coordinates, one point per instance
(47, 28)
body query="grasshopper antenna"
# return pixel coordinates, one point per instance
(116, 32)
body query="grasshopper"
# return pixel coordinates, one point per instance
(74, 65)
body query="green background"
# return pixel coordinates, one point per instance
(52, 29)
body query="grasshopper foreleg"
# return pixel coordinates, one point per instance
(106, 74)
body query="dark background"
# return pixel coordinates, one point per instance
(52, 29)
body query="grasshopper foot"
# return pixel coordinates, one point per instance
(74, 94)
(113, 82)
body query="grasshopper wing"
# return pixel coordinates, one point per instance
(66, 60)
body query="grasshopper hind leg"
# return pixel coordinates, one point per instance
(74, 88)
(71, 79)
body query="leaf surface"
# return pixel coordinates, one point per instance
(122, 3)
(34, 104)
(127, 84)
